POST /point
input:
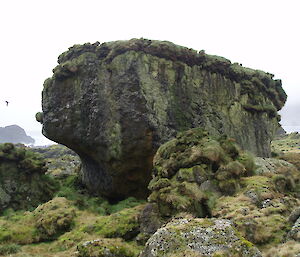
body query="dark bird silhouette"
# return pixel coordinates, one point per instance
(7, 103)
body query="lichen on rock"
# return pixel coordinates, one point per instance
(198, 237)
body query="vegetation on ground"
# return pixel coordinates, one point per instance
(74, 223)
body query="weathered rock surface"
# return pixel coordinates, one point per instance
(295, 231)
(272, 166)
(198, 237)
(23, 184)
(114, 104)
(15, 134)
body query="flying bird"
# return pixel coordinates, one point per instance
(7, 103)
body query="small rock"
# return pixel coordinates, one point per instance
(295, 214)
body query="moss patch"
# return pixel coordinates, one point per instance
(107, 247)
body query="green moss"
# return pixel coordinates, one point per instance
(270, 109)
(157, 184)
(45, 223)
(129, 202)
(72, 189)
(105, 247)
(54, 218)
(247, 160)
(115, 140)
(186, 174)
(122, 224)
(39, 117)
(9, 249)
(72, 67)
(18, 229)
(229, 186)
(259, 183)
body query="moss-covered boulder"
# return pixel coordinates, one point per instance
(115, 103)
(123, 224)
(23, 183)
(45, 223)
(198, 237)
(54, 218)
(194, 169)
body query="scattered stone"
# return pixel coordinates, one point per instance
(295, 214)
(149, 220)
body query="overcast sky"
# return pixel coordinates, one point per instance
(259, 34)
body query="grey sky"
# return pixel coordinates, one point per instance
(259, 34)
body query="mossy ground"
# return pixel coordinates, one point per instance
(73, 222)
(289, 143)
(259, 211)
(56, 227)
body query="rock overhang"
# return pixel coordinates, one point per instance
(115, 103)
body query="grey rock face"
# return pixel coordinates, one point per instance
(198, 237)
(114, 104)
(271, 165)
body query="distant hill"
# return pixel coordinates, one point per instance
(14, 134)
(290, 119)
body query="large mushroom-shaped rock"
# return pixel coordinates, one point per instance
(114, 104)
(198, 237)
